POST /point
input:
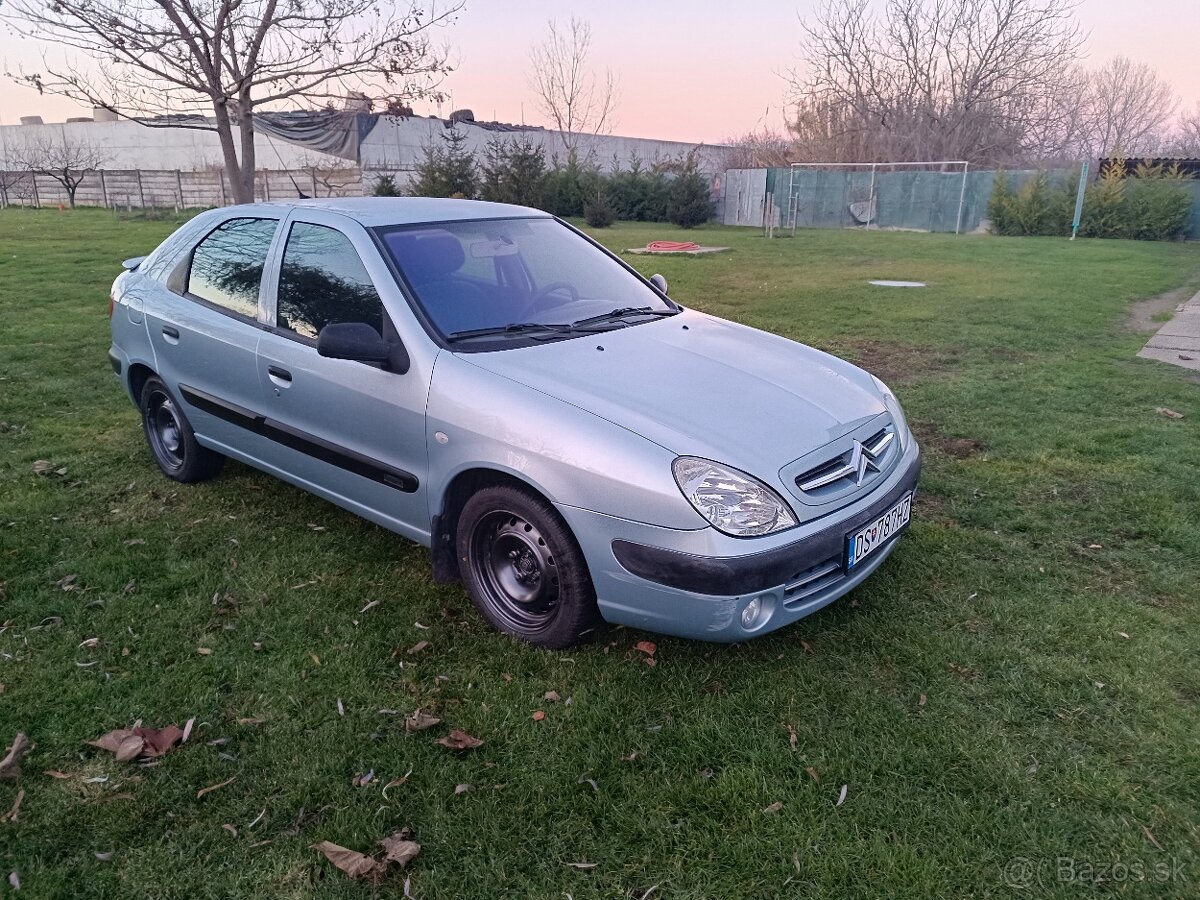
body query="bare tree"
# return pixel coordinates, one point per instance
(757, 149)
(65, 158)
(566, 91)
(232, 57)
(1187, 135)
(1127, 108)
(932, 79)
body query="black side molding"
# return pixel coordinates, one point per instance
(727, 576)
(114, 361)
(342, 457)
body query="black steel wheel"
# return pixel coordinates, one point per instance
(524, 569)
(171, 439)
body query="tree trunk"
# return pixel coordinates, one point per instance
(246, 126)
(232, 168)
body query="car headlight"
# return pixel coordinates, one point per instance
(732, 501)
(893, 406)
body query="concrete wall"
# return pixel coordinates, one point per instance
(394, 144)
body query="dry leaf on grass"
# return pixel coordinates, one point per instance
(774, 807)
(812, 773)
(10, 766)
(538, 715)
(139, 743)
(461, 789)
(54, 773)
(1161, 410)
(420, 720)
(842, 796)
(793, 738)
(582, 866)
(647, 647)
(806, 645)
(47, 468)
(418, 647)
(550, 696)
(353, 863)
(1150, 837)
(922, 700)
(15, 811)
(398, 848)
(251, 720)
(460, 740)
(212, 787)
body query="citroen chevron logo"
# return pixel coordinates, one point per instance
(861, 462)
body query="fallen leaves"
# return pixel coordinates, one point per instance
(14, 812)
(842, 796)
(550, 696)
(214, 787)
(793, 738)
(1164, 411)
(774, 807)
(10, 765)
(128, 744)
(582, 866)
(812, 773)
(647, 647)
(45, 468)
(461, 789)
(1150, 837)
(417, 647)
(398, 849)
(460, 740)
(420, 720)
(538, 715)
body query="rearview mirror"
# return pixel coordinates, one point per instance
(659, 282)
(353, 340)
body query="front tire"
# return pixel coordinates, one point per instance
(171, 439)
(524, 569)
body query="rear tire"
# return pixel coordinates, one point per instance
(171, 439)
(524, 569)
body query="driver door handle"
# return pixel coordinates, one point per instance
(281, 377)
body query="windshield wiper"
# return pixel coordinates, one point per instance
(510, 328)
(623, 311)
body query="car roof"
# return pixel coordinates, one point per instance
(376, 211)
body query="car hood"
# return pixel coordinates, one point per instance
(702, 386)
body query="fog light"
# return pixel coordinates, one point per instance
(751, 612)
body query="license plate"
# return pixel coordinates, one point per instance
(863, 543)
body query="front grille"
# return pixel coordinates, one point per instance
(812, 580)
(861, 464)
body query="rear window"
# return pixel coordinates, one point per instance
(227, 266)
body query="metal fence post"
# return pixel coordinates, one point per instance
(141, 190)
(103, 189)
(37, 198)
(267, 185)
(961, 196)
(221, 186)
(179, 186)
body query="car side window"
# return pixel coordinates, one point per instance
(227, 266)
(323, 280)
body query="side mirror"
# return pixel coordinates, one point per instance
(353, 340)
(659, 282)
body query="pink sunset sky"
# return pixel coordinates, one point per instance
(699, 71)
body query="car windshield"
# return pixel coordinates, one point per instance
(502, 278)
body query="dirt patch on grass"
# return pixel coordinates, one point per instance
(897, 363)
(931, 437)
(1148, 315)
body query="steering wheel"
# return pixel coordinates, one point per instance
(539, 302)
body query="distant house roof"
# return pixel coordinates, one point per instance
(1189, 167)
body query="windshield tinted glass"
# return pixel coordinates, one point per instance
(482, 275)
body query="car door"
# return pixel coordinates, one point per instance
(352, 431)
(203, 324)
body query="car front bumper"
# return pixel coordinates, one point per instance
(696, 584)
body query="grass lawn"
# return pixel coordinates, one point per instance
(1021, 679)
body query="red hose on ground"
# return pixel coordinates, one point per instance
(669, 246)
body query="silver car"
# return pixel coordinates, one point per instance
(573, 445)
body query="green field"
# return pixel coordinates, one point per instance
(1020, 680)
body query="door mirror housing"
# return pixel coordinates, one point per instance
(659, 282)
(353, 340)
